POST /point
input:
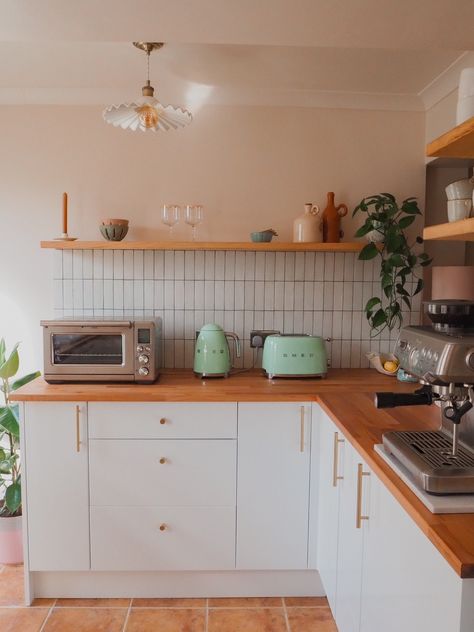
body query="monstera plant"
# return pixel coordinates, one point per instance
(10, 473)
(400, 259)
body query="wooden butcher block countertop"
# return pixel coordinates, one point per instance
(346, 395)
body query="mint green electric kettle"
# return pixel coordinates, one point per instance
(212, 357)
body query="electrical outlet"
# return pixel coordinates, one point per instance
(257, 337)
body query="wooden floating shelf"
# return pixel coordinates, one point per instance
(273, 246)
(463, 230)
(457, 143)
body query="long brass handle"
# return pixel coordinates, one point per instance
(78, 428)
(359, 516)
(301, 428)
(335, 462)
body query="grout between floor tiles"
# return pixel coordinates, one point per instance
(48, 615)
(125, 623)
(285, 613)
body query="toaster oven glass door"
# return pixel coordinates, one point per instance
(104, 350)
(87, 349)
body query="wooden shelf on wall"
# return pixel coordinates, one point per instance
(463, 230)
(457, 143)
(274, 246)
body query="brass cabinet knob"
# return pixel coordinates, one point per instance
(163, 527)
(162, 421)
(162, 460)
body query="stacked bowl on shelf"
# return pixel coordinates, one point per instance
(460, 199)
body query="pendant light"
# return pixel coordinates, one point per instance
(147, 113)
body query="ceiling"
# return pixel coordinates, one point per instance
(357, 53)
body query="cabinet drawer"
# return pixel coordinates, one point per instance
(194, 538)
(173, 472)
(162, 420)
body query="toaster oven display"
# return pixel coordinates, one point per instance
(87, 349)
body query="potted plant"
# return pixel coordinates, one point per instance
(11, 551)
(386, 222)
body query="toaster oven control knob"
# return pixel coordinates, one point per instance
(139, 349)
(143, 370)
(143, 359)
(470, 360)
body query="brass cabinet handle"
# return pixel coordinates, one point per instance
(163, 527)
(162, 460)
(301, 428)
(335, 462)
(162, 421)
(78, 428)
(359, 516)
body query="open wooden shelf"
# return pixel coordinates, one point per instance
(463, 230)
(457, 143)
(273, 246)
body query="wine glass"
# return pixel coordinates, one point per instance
(193, 216)
(170, 215)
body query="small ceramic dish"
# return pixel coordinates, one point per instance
(263, 235)
(377, 360)
(114, 229)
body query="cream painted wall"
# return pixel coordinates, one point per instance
(251, 168)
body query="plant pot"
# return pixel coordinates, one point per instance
(11, 540)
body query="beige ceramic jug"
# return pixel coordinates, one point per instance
(307, 227)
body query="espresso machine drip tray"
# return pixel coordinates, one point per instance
(427, 455)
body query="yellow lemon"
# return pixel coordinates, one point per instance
(390, 366)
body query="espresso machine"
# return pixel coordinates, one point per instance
(441, 356)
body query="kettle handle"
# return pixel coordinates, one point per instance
(236, 339)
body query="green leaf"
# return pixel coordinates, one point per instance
(419, 287)
(406, 221)
(6, 466)
(388, 290)
(407, 302)
(10, 366)
(13, 497)
(3, 455)
(24, 380)
(379, 318)
(9, 421)
(386, 280)
(401, 290)
(2, 351)
(410, 207)
(369, 251)
(396, 260)
(426, 263)
(364, 229)
(371, 303)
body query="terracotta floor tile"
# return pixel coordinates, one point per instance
(168, 603)
(247, 620)
(22, 619)
(166, 620)
(86, 620)
(291, 602)
(245, 602)
(43, 602)
(11, 586)
(92, 603)
(311, 620)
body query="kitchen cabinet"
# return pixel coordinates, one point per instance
(331, 474)
(273, 485)
(379, 570)
(57, 485)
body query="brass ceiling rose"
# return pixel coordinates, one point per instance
(148, 47)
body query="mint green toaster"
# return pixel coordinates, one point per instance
(294, 355)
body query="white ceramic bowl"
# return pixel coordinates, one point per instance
(377, 360)
(459, 209)
(460, 190)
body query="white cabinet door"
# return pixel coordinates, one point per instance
(57, 486)
(331, 473)
(353, 503)
(406, 585)
(273, 485)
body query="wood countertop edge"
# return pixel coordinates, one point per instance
(407, 499)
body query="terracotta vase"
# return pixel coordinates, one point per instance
(332, 220)
(307, 227)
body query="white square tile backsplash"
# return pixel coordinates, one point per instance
(313, 293)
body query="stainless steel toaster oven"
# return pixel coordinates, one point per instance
(101, 350)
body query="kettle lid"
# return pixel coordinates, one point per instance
(211, 327)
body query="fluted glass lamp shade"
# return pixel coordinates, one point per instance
(147, 113)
